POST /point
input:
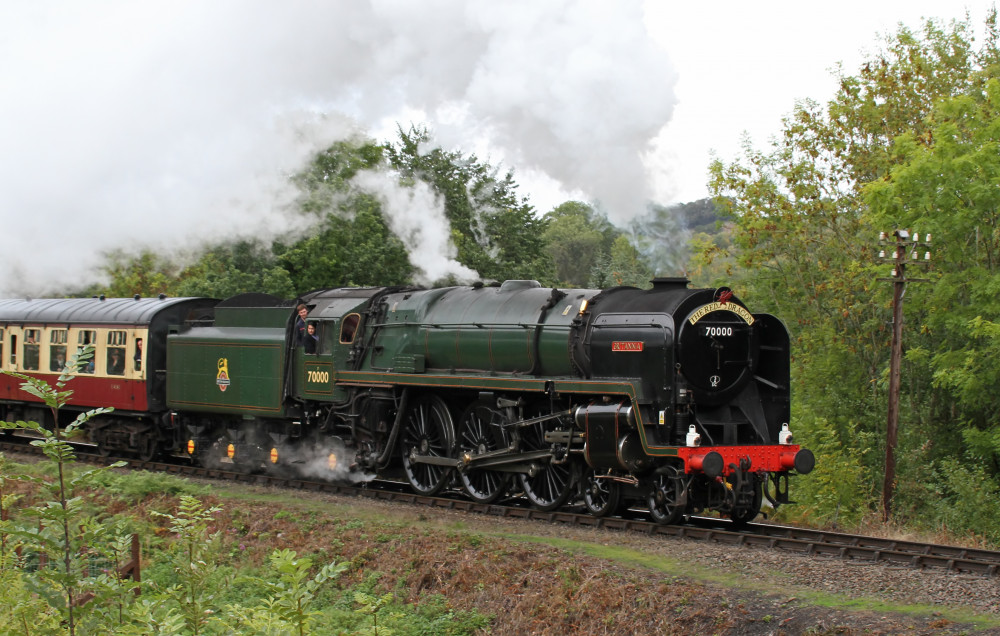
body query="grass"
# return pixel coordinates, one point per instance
(389, 531)
(801, 596)
(354, 518)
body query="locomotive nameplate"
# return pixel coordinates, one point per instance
(704, 310)
(619, 345)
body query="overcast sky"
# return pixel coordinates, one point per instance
(131, 124)
(742, 66)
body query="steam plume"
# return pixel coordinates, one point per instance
(160, 124)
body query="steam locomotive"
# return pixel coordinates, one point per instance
(671, 399)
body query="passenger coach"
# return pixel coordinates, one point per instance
(127, 370)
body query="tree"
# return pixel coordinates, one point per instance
(577, 238)
(945, 184)
(351, 246)
(145, 274)
(662, 235)
(804, 235)
(622, 266)
(228, 269)
(345, 240)
(497, 233)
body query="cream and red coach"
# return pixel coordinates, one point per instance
(127, 370)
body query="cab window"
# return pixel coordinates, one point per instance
(32, 347)
(349, 327)
(83, 338)
(57, 349)
(116, 352)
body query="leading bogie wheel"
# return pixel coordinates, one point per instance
(428, 431)
(748, 501)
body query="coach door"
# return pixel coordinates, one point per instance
(13, 340)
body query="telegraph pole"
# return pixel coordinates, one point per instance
(904, 251)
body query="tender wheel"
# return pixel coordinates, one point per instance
(149, 449)
(481, 431)
(748, 501)
(209, 454)
(665, 496)
(241, 458)
(601, 496)
(245, 455)
(551, 484)
(101, 443)
(427, 431)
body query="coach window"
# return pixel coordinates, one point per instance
(57, 349)
(84, 338)
(137, 358)
(348, 327)
(13, 352)
(116, 352)
(32, 346)
(1, 347)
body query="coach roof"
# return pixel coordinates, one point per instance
(125, 311)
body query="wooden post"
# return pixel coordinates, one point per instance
(905, 250)
(895, 362)
(136, 569)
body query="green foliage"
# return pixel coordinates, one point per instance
(145, 273)
(344, 239)
(578, 237)
(340, 236)
(86, 554)
(662, 235)
(967, 501)
(59, 528)
(228, 269)
(138, 484)
(622, 266)
(835, 493)
(351, 246)
(292, 595)
(497, 233)
(585, 249)
(194, 561)
(22, 612)
(711, 263)
(907, 141)
(945, 185)
(372, 606)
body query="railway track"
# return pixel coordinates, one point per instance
(816, 543)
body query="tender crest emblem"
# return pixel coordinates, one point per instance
(222, 377)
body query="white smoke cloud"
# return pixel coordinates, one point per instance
(161, 124)
(330, 462)
(416, 215)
